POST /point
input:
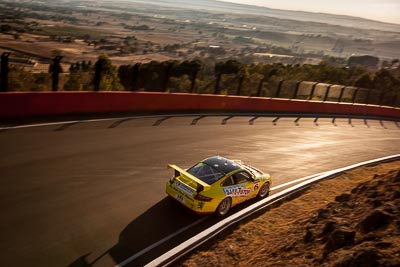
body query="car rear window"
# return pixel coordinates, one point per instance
(206, 173)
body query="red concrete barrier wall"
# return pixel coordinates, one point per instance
(24, 104)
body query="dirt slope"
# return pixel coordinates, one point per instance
(352, 220)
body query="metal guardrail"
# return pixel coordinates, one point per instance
(178, 252)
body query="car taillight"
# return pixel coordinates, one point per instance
(202, 198)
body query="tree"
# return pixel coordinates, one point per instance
(154, 75)
(129, 75)
(242, 74)
(385, 81)
(263, 72)
(73, 83)
(84, 65)
(364, 81)
(78, 80)
(106, 76)
(388, 85)
(228, 67)
(190, 68)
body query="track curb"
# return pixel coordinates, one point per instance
(176, 253)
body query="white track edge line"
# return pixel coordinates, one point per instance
(297, 180)
(140, 253)
(79, 121)
(111, 119)
(169, 254)
(150, 116)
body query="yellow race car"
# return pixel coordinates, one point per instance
(216, 184)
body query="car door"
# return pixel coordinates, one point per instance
(245, 181)
(228, 189)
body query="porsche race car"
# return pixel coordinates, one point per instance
(216, 184)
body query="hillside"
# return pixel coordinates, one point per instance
(226, 7)
(142, 31)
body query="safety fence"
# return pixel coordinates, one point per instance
(330, 92)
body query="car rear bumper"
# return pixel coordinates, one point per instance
(189, 201)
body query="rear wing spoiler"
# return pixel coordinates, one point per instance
(201, 186)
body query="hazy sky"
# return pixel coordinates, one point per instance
(382, 10)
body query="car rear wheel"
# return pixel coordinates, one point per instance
(224, 207)
(264, 190)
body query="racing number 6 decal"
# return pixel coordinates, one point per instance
(256, 186)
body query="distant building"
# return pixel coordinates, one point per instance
(33, 66)
(367, 61)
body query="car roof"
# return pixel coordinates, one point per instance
(223, 164)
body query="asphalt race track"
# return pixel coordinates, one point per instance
(92, 193)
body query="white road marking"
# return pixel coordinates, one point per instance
(183, 115)
(78, 121)
(112, 119)
(297, 180)
(140, 253)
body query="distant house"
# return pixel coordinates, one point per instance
(44, 68)
(40, 68)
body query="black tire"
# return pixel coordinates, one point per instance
(264, 190)
(224, 207)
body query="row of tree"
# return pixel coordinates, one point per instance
(232, 74)
(202, 76)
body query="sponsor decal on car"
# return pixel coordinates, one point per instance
(180, 198)
(184, 188)
(236, 191)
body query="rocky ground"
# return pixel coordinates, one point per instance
(350, 221)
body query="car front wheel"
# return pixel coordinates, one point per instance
(264, 190)
(224, 207)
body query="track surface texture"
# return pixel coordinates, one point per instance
(92, 193)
